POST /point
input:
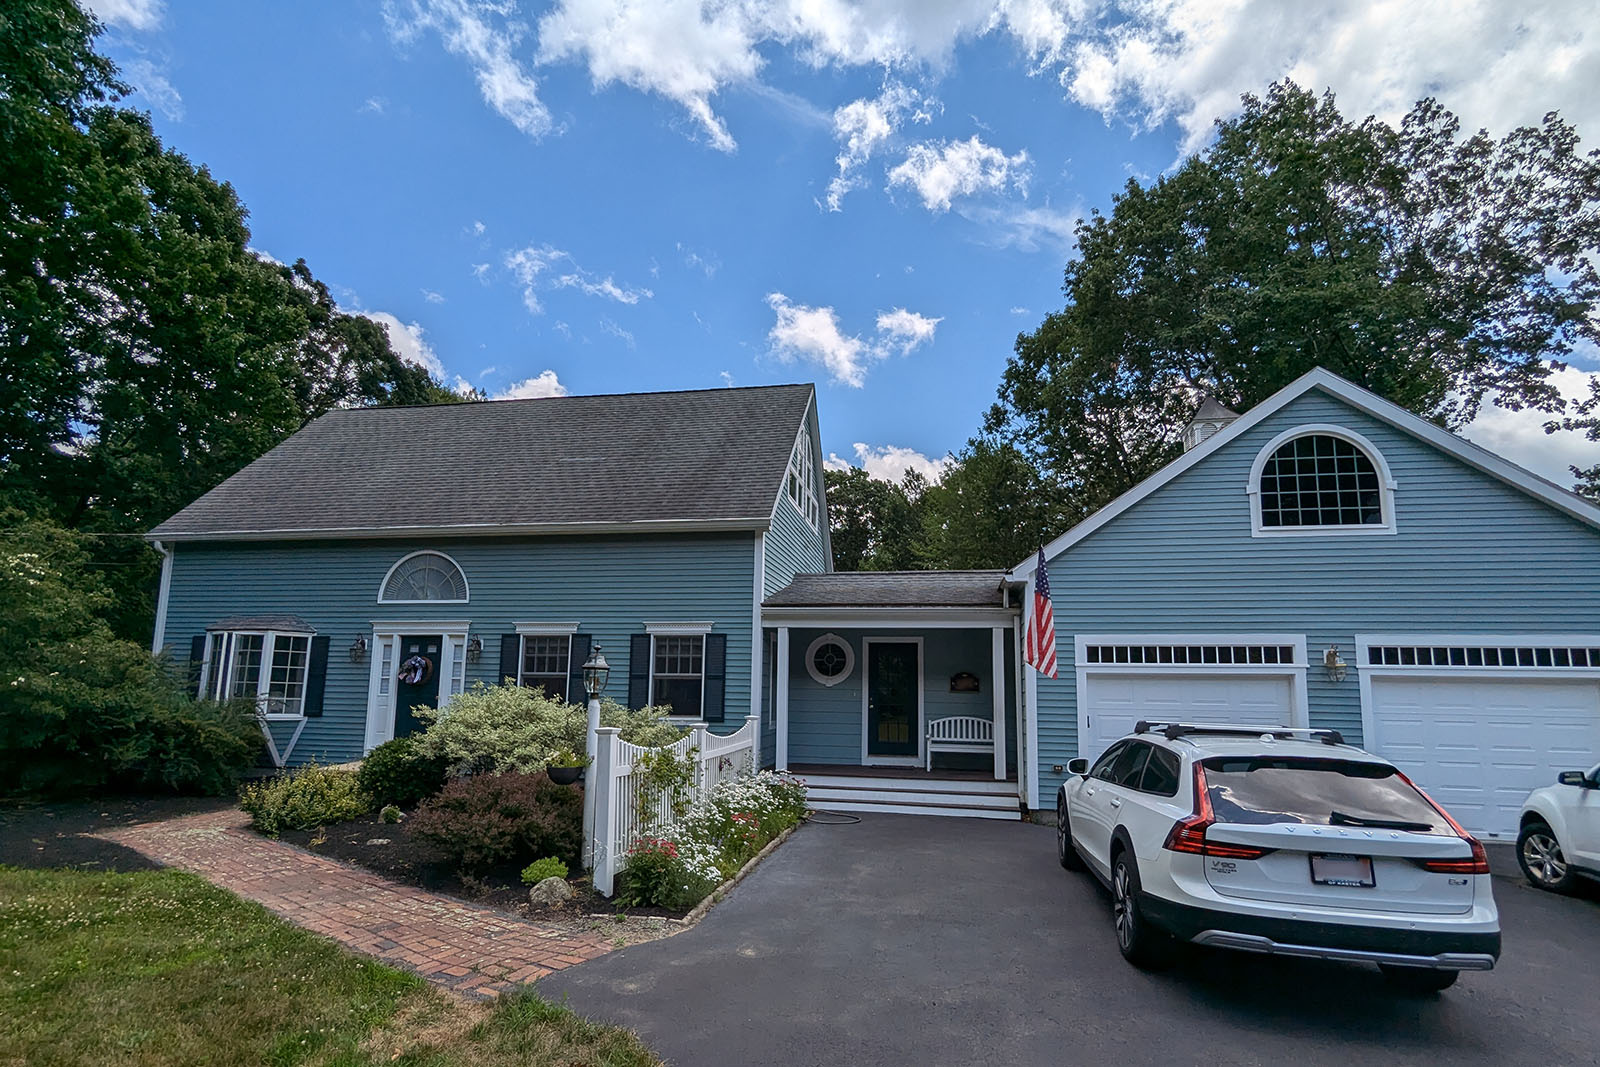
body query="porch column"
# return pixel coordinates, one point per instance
(998, 671)
(780, 699)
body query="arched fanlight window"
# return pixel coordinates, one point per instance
(424, 577)
(1321, 479)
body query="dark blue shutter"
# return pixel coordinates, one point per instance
(716, 686)
(197, 655)
(577, 656)
(316, 675)
(638, 670)
(510, 659)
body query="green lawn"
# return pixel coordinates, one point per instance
(160, 968)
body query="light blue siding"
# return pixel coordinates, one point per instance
(825, 721)
(609, 586)
(1471, 555)
(792, 546)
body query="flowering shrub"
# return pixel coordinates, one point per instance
(657, 875)
(305, 799)
(496, 819)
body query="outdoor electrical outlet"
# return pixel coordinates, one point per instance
(1058, 768)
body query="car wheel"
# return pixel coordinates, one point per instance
(1141, 944)
(1418, 979)
(1064, 851)
(1542, 860)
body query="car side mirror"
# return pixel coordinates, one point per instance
(1079, 766)
(1577, 778)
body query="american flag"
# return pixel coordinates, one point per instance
(1039, 646)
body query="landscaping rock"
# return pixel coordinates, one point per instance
(378, 841)
(552, 890)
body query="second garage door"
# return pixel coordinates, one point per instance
(1479, 746)
(1114, 702)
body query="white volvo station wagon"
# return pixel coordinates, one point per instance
(1281, 841)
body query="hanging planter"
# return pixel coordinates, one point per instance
(565, 767)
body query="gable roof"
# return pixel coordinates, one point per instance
(892, 589)
(703, 460)
(1365, 400)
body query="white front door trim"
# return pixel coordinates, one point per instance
(915, 759)
(382, 692)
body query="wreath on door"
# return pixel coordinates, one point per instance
(415, 671)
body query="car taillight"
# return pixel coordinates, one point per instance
(1478, 864)
(1189, 835)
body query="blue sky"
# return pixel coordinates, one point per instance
(603, 195)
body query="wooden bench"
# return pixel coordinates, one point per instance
(959, 733)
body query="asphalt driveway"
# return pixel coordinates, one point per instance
(917, 941)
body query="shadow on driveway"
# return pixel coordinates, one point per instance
(922, 941)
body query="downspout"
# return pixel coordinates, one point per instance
(159, 636)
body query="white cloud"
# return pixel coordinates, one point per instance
(131, 14)
(1519, 435)
(906, 330)
(1494, 64)
(708, 264)
(152, 83)
(432, 297)
(486, 37)
(890, 463)
(480, 271)
(611, 327)
(374, 105)
(1027, 229)
(478, 227)
(863, 126)
(408, 341)
(1019, 310)
(942, 171)
(545, 384)
(544, 267)
(813, 334)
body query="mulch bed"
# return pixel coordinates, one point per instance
(389, 849)
(41, 834)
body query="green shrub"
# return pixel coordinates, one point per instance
(493, 820)
(391, 814)
(539, 870)
(396, 773)
(305, 799)
(657, 876)
(493, 729)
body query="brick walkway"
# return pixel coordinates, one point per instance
(459, 946)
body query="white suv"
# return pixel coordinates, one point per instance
(1560, 838)
(1279, 841)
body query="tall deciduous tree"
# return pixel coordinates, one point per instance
(875, 525)
(1438, 270)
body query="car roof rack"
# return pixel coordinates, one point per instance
(1174, 730)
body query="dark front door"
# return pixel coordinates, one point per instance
(892, 690)
(417, 681)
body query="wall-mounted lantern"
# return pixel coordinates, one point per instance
(474, 648)
(1334, 664)
(358, 650)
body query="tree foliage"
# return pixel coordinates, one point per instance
(1438, 270)
(875, 525)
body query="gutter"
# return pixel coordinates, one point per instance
(159, 637)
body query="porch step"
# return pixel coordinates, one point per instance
(962, 799)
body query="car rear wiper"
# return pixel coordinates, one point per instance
(1339, 818)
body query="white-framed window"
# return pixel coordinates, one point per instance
(546, 663)
(1320, 480)
(424, 578)
(830, 659)
(678, 673)
(268, 666)
(801, 483)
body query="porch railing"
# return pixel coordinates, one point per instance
(624, 809)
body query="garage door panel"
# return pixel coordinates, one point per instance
(1115, 702)
(1479, 746)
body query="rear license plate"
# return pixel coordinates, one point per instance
(1342, 870)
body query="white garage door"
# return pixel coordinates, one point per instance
(1114, 702)
(1480, 746)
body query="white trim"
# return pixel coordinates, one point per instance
(998, 670)
(678, 629)
(522, 655)
(780, 697)
(1031, 687)
(546, 629)
(915, 759)
(158, 639)
(381, 707)
(413, 555)
(758, 643)
(422, 626)
(849, 659)
(467, 529)
(1365, 671)
(1386, 486)
(1024, 710)
(1359, 398)
(836, 618)
(269, 649)
(1295, 673)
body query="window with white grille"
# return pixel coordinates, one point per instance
(1189, 655)
(1492, 656)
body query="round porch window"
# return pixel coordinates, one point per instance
(830, 659)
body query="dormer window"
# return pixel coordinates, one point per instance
(801, 483)
(1321, 480)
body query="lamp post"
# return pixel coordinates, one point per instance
(596, 671)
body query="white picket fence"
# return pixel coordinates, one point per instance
(620, 818)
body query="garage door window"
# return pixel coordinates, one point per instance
(1481, 656)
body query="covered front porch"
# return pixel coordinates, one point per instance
(896, 691)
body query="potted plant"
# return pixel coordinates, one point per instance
(564, 766)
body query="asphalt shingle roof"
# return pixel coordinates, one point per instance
(713, 457)
(892, 589)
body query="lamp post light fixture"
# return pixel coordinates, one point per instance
(596, 672)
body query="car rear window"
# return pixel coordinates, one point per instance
(1325, 792)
